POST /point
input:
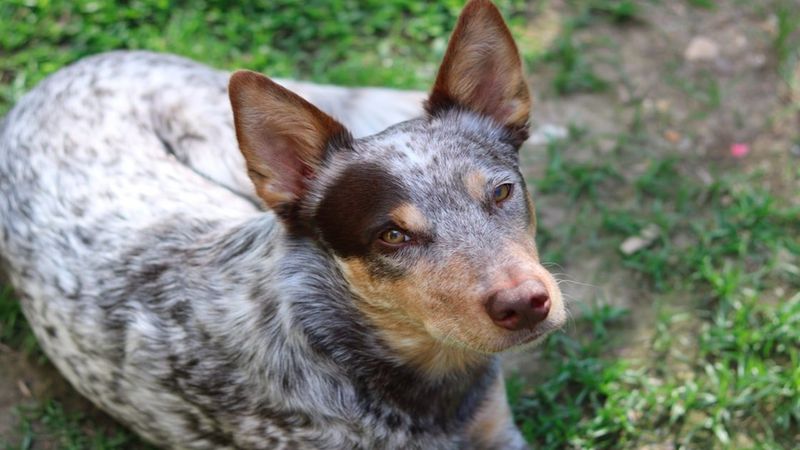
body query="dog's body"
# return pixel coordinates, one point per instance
(130, 229)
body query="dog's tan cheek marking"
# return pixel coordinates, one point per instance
(381, 295)
(399, 309)
(457, 310)
(475, 182)
(410, 218)
(460, 275)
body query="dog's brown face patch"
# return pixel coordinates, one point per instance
(357, 207)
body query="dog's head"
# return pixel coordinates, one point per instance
(430, 220)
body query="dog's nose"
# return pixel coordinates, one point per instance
(522, 306)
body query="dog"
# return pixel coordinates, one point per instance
(309, 289)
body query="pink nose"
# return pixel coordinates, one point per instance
(522, 306)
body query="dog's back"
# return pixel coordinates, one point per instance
(91, 200)
(119, 174)
(362, 313)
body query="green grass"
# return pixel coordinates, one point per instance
(724, 369)
(574, 72)
(14, 331)
(788, 29)
(399, 41)
(618, 11)
(705, 4)
(717, 292)
(68, 430)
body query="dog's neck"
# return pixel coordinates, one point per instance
(413, 346)
(335, 326)
(312, 306)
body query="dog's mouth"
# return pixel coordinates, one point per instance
(497, 339)
(521, 340)
(535, 336)
(490, 339)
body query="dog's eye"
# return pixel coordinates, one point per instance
(502, 192)
(394, 236)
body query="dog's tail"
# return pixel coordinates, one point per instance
(364, 111)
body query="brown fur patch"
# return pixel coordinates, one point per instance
(475, 182)
(352, 210)
(401, 311)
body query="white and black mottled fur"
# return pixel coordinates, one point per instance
(165, 294)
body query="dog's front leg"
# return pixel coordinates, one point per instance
(493, 426)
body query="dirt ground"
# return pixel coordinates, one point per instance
(655, 85)
(692, 107)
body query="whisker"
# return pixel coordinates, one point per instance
(579, 283)
(552, 264)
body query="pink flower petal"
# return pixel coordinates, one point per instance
(739, 150)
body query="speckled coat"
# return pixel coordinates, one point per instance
(164, 291)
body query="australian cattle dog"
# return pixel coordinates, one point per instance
(325, 285)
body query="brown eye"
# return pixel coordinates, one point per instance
(394, 237)
(502, 192)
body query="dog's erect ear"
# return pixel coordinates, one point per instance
(482, 70)
(283, 138)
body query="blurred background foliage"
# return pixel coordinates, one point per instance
(398, 42)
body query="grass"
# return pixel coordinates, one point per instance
(14, 331)
(788, 28)
(68, 430)
(723, 277)
(618, 11)
(724, 365)
(707, 356)
(323, 40)
(705, 4)
(574, 72)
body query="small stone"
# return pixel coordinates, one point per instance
(647, 236)
(658, 106)
(663, 105)
(672, 136)
(23, 389)
(740, 41)
(756, 60)
(701, 48)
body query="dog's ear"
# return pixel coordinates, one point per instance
(283, 138)
(482, 70)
